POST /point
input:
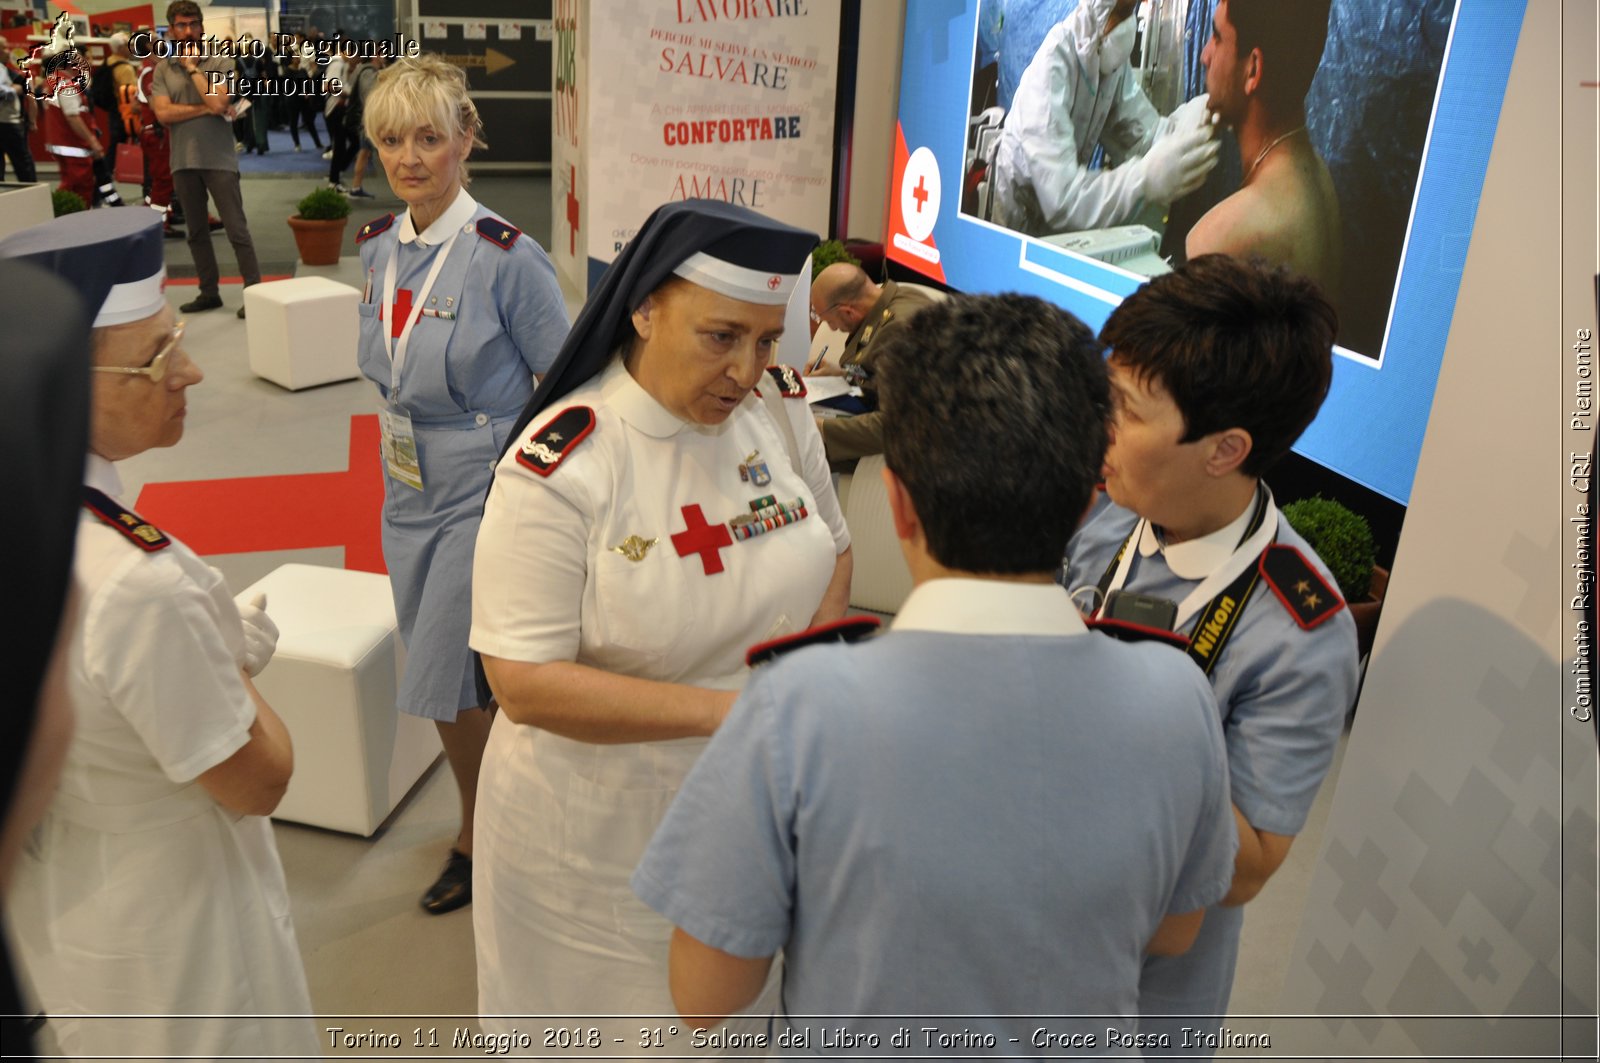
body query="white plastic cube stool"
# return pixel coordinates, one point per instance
(333, 681)
(303, 332)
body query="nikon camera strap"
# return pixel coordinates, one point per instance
(1220, 598)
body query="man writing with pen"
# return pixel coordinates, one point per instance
(845, 298)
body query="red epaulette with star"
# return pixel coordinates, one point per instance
(1299, 586)
(130, 525)
(545, 449)
(374, 227)
(499, 233)
(791, 385)
(849, 629)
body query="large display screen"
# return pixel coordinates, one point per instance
(1027, 160)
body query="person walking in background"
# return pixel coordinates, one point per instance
(70, 134)
(260, 71)
(342, 136)
(155, 143)
(117, 72)
(303, 104)
(195, 112)
(366, 78)
(18, 112)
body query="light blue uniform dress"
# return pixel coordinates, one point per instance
(1284, 692)
(464, 380)
(984, 813)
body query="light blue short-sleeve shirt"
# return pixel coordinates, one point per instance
(1283, 692)
(938, 823)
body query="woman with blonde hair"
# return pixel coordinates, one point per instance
(460, 311)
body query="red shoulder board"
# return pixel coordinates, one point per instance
(544, 449)
(850, 629)
(791, 385)
(1126, 631)
(1299, 586)
(374, 227)
(500, 234)
(134, 528)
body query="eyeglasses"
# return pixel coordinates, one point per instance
(157, 369)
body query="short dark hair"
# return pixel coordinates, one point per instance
(995, 410)
(180, 8)
(1291, 37)
(1236, 344)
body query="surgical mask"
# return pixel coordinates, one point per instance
(1117, 46)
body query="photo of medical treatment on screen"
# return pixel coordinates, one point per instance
(1142, 133)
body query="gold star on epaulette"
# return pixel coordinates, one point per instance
(1303, 587)
(366, 230)
(554, 437)
(505, 234)
(1312, 600)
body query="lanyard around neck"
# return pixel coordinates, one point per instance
(397, 350)
(1259, 532)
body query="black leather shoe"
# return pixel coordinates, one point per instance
(201, 302)
(453, 889)
(241, 313)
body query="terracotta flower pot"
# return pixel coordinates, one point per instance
(319, 241)
(1365, 614)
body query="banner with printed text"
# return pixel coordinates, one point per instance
(718, 99)
(569, 167)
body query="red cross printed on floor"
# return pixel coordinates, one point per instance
(298, 511)
(399, 312)
(701, 538)
(920, 193)
(572, 210)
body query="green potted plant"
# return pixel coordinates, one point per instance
(827, 253)
(1343, 539)
(66, 201)
(319, 226)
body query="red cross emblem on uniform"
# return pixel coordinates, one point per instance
(774, 281)
(400, 313)
(701, 538)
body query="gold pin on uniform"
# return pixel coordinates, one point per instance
(634, 548)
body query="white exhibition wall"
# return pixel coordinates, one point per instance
(1457, 875)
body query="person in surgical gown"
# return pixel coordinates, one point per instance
(1080, 92)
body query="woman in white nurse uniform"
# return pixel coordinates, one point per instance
(153, 887)
(666, 505)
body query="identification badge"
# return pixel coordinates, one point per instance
(400, 447)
